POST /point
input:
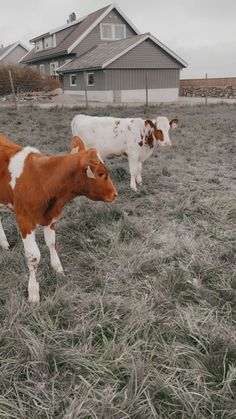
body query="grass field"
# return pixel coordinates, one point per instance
(143, 325)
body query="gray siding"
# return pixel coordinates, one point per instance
(94, 36)
(118, 79)
(14, 56)
(99, 81)
(126, 79)
(145, 55)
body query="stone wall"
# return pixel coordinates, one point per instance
(212, 87)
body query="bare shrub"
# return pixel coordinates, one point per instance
(25, 79)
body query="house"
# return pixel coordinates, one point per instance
(12, 54)
(104, 56)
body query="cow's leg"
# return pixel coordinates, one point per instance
(50, 239)
(3, 240)
(133, 168)
(139, 177)
(32, 255)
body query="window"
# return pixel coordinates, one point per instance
(49, 42)
(112, 32)
(73, 81)
(39, 45)
(42, 70)
(106, 31)
(119, 31)
(90, 79)
(53, 68)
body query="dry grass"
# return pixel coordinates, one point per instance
(143, 324)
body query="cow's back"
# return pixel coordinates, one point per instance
(110, 136)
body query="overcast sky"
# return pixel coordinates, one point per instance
(202, 32)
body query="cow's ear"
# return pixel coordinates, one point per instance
(89, 162)
(76, 144)
(92, 163)
(150, 123)
(174, 123)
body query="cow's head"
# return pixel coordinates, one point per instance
(161, 128)
(92, 174)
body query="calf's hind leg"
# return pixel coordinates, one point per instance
(3, 240)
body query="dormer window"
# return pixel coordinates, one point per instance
(112, 32)
(39, 45)
(49, 42)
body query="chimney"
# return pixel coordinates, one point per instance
(72, 17)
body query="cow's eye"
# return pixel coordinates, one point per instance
(100, 174)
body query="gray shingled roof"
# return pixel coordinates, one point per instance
(71, 35)
(98, 56)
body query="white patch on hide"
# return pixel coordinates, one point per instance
(17, 162)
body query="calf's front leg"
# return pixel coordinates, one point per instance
(139, 176)
(133, 167)
(50, 239)
(32, 255)
(3, 240)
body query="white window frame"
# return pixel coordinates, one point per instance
(123, 26)
(52, 39)
(87, 79)
(71, 84)
(53, 68)
(113, 25)
(39, 45)
(42, 70)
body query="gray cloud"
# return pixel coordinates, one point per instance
(202, 32)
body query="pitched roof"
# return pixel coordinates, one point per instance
(104, 54)
(9, 48)
(74, 33)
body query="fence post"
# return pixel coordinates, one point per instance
(12, 89)
(85, 89)
(146, 86)
(206, 91)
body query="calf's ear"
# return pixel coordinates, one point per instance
(174, 123)
(76, 145)
(150, 123)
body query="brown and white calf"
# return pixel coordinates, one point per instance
(115, 136)
(36, 187)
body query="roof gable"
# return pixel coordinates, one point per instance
(4, 52)
(107, 53)
(100, 19)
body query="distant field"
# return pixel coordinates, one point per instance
(143, 325)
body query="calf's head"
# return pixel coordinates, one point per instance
(93, 178)
(161, 128)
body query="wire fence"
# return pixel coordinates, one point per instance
(24, 79)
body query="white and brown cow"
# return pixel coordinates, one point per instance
(115, 136)
(36, 187)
